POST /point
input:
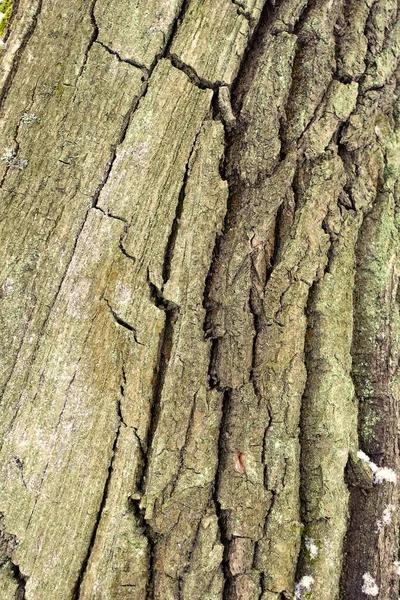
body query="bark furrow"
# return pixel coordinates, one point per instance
(199, 300)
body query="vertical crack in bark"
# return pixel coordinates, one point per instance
(92, 40)
(240, 88)
(181, 578)
(246, 72)
(224, 538)
(182, 11)
(76, 593)
(18, 55)
(366, 549)
(165, 345)
(148, 533)
(123, 132)
(307, 364)
(108, 168)
(182, 451)
(170, 247)
(120, 139)
(171, 314)
(20, 580)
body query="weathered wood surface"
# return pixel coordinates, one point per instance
(199, 317)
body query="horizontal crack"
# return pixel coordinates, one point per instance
(129, 61)
(203, 84)
(110, 215)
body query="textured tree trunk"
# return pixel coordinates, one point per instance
(200, 323)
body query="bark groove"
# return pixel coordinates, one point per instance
(199, 300)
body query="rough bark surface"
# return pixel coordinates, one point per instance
(199, 262)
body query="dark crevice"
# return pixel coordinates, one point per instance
(111, 216)
(331, 250)
(255, 309)
(246, 15)
(278, 242)
(181, 578)
(169, 250)
(264, 449)
(18, 55)
(183, 9)
(20, 466)
(128, 61)
(92, 39)
(189, 71)
(148, 533)
(159, 300)
(20, 580)
(122, 390)
(124, 251)
(262, 586)
(253, 53)
(221, 514)
(309, 6)
(165, 346)
(76, 593)
(123, 323)
(239, 89)
(182, 451)
(239, 4)
(213, 379)
(209, 304)
(303, 440)
(243, 12)
(11, 19)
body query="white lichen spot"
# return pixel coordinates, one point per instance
(10, 157)
(28, 118)
(124, 294)
(397, 566)
(304, 585)
(386, 517)
(381, 474)
(384, 474)
(362, 456)
(369, 587)
(311, 547)
(139, 153)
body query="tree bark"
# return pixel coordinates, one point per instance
(200, 322)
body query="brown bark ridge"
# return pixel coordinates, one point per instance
(199, 317)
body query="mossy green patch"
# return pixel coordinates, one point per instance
(6, 8)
